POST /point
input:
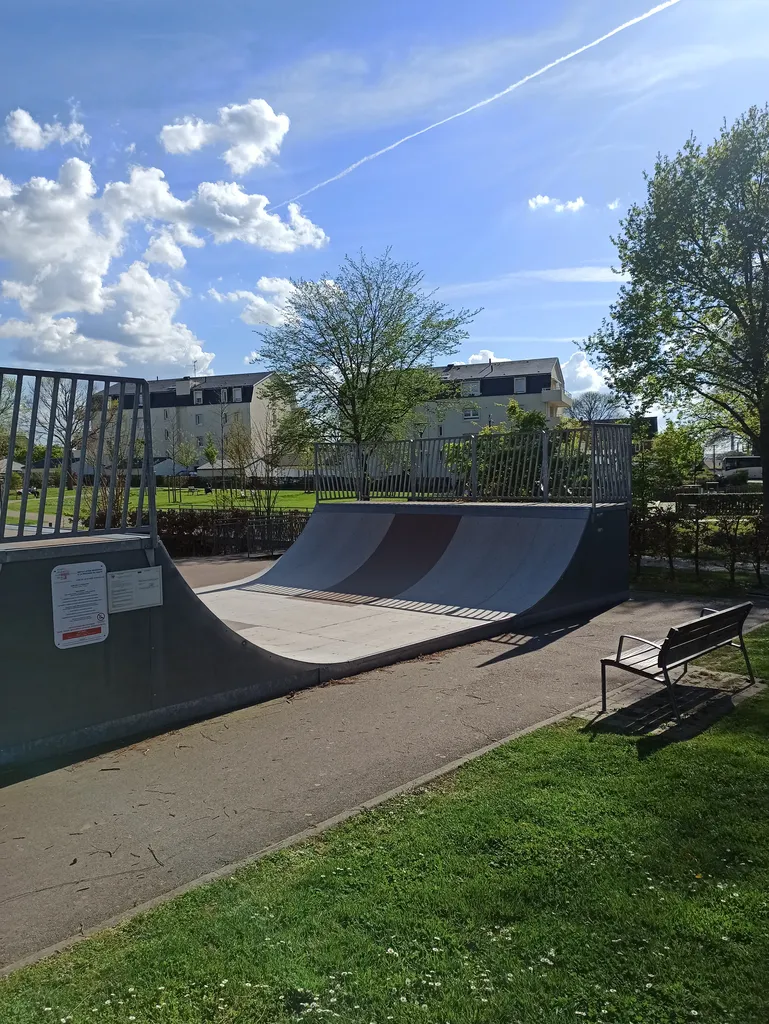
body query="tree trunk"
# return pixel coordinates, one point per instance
(764, 446)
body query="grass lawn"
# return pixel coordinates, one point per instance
(286, 499)
(561, 878)
(729, 660)
(714, 583)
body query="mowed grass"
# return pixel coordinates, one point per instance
(727, 659)
(564, 877)
(163, 499)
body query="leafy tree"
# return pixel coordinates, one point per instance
(356, 352)
(672, 458)
(521, 419)
(210, 450)
(596, 405)
(694, 320)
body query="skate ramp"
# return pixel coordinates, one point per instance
(367, 582)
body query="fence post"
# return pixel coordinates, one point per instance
(592, 463)
(545, 471)
(412, 470)
(315, 474)
(474, 467)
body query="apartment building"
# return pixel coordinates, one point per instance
(485, 390)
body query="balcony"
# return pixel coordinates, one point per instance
(557, 396)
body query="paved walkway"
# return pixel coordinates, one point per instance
(86, 842)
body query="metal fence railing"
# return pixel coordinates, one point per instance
(580, 464)
(71, 447)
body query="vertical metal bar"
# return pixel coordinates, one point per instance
(150, 464)
(474, 467)
(28, 461)
(130, 457)
(412, 471)
(115, 456)
(83, 455)
(66, 458)
(48, 446)
(99, 456)
(11, 451)
(592, 462)
(545, 477)
(316, 474)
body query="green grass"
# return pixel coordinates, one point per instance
(710, 583)
(727, 659)
(561, 878)
(285, 499)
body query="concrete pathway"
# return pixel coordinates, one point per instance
(89, 841)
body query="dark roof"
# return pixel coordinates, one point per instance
(212, 380)
(501, 368)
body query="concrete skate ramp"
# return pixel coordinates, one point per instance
(420, 577)
(365, 585)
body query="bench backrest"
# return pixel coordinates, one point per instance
(701, 635)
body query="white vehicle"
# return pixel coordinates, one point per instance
(734, 464)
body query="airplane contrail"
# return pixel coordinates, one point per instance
(481, 103)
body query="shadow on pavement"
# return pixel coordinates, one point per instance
(651, 718)
(528, 640)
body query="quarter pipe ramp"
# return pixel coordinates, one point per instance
(365, 585)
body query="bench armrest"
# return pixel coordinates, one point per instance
(640, 639)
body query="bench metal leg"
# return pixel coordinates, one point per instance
(670, 685)
(747, 660)
(603, 688)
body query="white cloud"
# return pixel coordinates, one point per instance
(579, 375)
(60, 241)
(24, 132)
(130, 148)
(555, 275)
(164, 249)
(571, 206)
(613, 205)
(539, 202)
(267, 308)
(253, 130)
(251, 357)
(483, 356)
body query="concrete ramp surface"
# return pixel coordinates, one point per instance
(367, 580)
(366, 584)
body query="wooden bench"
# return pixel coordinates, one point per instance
(684, 643)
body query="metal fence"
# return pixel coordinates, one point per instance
(71, 445)
(584, 464)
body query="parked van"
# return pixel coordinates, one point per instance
(734, 464)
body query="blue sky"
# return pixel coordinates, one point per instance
(85, 282)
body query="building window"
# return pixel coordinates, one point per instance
(440, 431)
(223, 395)
(200, 441)
(236, 417)
(168, 434)
(198, 397)
(224, 417)
(165, 414)
(237, 394)
(141, 399)
(470, 414)
(198, 419)
(470, 388)
(519, 386)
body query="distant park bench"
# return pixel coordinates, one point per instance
(684, 643)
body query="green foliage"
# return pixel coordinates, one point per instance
(693, 323)
(356, 352)
(673, 457)
(522, 419)
(210, 450)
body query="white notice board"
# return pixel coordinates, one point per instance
(135, 588)
(79, 598)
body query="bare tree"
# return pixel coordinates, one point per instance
(596, 405)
